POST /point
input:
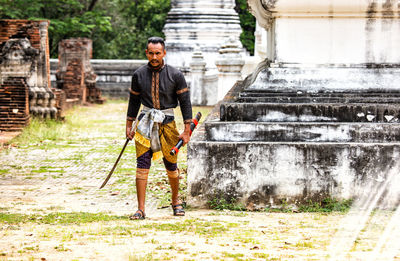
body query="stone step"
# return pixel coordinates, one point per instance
(292, 93)
(316, 99)
(270, 173)
(327, 78)
(306, 112)
(320, 97)
(302, 132)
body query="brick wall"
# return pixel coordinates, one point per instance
(14, 105)
(11, 29)
(24, 64)
(75, 74)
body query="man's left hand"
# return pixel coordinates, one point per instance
(185, 135)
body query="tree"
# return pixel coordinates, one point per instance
(248, 24)
(119, 28)
(132, 22)
(68, 18)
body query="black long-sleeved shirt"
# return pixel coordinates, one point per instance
(160, 89)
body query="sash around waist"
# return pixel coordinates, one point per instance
(169, 114)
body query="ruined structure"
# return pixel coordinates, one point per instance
(318, 118)
(75, 74)
(113, 76)
(24, 73)
(202, 24)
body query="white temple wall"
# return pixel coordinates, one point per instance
(336, 32)
(339, 40)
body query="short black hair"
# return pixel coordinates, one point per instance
(156, 40)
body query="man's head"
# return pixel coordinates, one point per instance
(155, 51)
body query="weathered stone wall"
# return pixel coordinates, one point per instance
(113, 76)
(268, 148)
(318, 118)
(24, 54)
(19, 29)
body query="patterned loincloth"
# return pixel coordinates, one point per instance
(169, 137)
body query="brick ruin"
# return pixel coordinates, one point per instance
(75, 74)
(24, 73)
(14, 109)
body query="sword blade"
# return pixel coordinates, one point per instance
(119, 157)
(115, 165)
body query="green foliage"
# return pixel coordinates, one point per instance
(220, 203)
(326, 205)
(132, 23)
(119, 28)
(248, 24)
(68, 18)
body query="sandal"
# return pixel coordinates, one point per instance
(138, 215)
(178, 211)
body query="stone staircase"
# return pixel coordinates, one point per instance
(265, 146)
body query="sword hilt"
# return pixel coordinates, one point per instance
(193, 125)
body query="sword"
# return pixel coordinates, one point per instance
(119, 157)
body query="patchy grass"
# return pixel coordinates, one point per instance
(40, 130)
(220, 203)
(4, 171)
(48, 169)
(210, 229)
(327, 205)
(58, 218)
(59, 213)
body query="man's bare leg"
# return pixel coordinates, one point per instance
(173, 177)
(141, 184)
(174, 183)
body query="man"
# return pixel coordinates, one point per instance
(158, 87)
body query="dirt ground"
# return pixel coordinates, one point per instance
(60, 178)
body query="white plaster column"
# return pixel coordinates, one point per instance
(260, 51)
(197, 72)
(229, 64)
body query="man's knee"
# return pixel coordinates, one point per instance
(173, 173)
(172, 169)
(142, 173)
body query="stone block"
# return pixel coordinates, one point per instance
(218, 131)
(268, 174)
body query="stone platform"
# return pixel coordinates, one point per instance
(265, 147)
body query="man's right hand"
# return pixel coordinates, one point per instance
(129, 133)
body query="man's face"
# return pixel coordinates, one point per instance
(155, 54)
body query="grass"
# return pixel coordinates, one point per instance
(4, 171)
(58, 218)
(48, 169)
(326, 205)
(210, 229)
(77, 154)
(40, 130)
(49, 133)
(220, 203)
